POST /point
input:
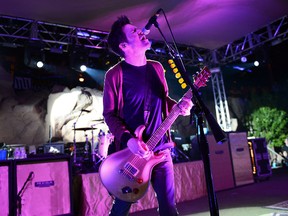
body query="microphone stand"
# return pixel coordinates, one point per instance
(200, 109)
(74, 139)
(20, 194)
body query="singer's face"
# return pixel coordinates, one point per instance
(135, 38)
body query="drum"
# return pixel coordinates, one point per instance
(104, 140)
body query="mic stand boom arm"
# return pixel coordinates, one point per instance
(201, 108)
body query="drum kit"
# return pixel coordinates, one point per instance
(99, 147)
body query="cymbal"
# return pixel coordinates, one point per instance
(85, 128)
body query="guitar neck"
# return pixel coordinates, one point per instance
(199, 81)
(166, 124)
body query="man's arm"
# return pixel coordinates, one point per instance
(112, 95)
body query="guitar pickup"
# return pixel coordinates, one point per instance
(131, 169)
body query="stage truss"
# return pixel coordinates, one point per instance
(58, 38)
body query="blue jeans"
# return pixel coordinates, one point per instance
(162, 180)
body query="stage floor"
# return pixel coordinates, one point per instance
(249, 200)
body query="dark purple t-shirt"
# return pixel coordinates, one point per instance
(136, 81)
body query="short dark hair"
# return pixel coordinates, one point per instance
(117, 36)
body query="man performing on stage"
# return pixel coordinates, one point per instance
(135, 94)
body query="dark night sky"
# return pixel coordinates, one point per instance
(273, 68)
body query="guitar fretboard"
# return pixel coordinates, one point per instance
(159, 133)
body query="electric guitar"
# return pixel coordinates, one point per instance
(126, 175)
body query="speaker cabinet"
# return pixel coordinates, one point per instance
(221, 166)
(43, 186)
(241, 158)
(260, 158)
(5, 187)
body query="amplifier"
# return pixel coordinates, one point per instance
(260, 158)
(221, 164)
(241, 158)
(43, 186)
(5, 187)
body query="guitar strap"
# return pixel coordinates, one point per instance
(147, 98)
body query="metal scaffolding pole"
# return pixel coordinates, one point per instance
(221, 105)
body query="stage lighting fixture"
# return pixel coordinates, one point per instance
(243, 59)
(95, 37)
(256, 63)
(160, 50)
(83, 68)
(177, 73)
(83, 34)
(56, 49)
(81, 77)
(40, 64)
(239, 68)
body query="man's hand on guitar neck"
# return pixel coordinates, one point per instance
(138, 147)
(185, 105)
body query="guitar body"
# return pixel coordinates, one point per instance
(127, 176)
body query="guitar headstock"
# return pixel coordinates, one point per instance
(201, 78)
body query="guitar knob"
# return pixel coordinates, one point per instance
(139, 181)
(136, 190)
(126, 190)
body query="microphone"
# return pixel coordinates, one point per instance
(30, 175)
(84, 110)
(151, 21)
